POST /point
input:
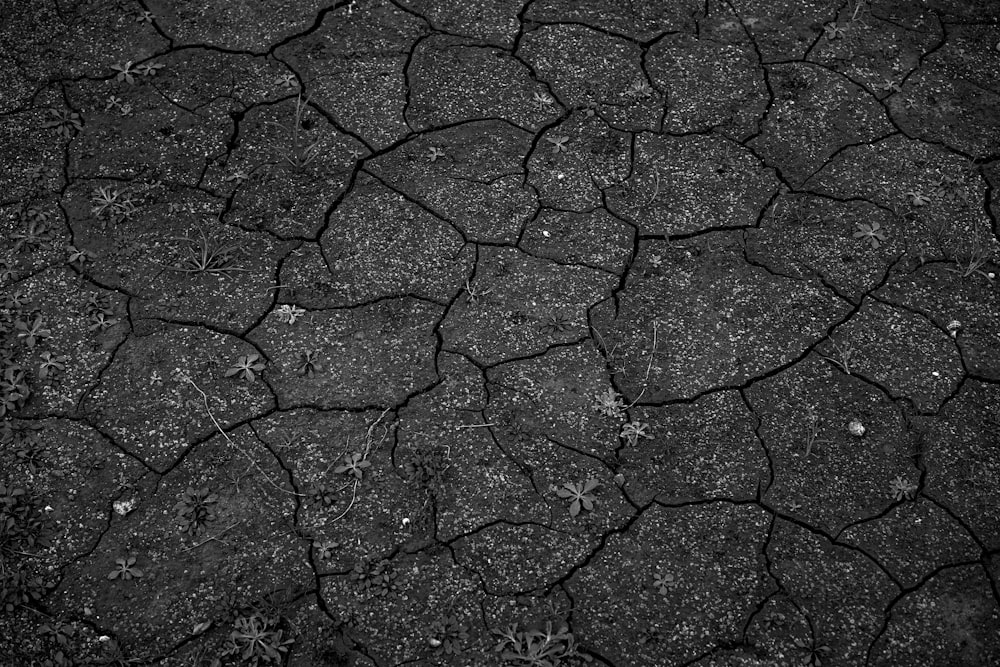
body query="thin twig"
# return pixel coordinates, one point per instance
(367, 452)
(204, 398)
(213, 537)
(652, 351)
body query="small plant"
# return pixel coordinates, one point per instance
(32, 333)
(126, 569)
(448, 635)
(558, 143)
(98, 303)
(112, 205)
(556, 322)
(300, 153)
(325, 550)
(843, 356)
(99, 322)
(149, 69)
(889, 86)
(427, 466)
(834, 31)
(951, 189)
(287, 81)
(474, 295)
(638, 90)
(902, 489)
(19, 588)
(194, 510)
(812, 653)
(973, 264)
(812, 431)
(609, 403)
(37, 232)
(871, 233)
(31, 453)
(77, 256)
(21, 523)
(288, 313)
(374, 577)
(238, 177)
(65, 122)
(538, 648)
(308, 365)
(206, 256)
(435, 153)
(256, 639)
(58, 632)
(354, 464)
(632, 431)
(541, 101)
(14, 389)
(323, 494)
(918, 198)
(579, 495)
(664, 583)
(124, 72)
(246, 366)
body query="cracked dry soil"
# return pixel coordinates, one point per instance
(557, 332)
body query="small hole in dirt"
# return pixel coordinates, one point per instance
(307, 124)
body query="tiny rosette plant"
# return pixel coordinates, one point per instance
(579, 495)
(246, 367)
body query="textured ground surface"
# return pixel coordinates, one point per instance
(431, 332)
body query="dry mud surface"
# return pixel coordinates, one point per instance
(413, 332)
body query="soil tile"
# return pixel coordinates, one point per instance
(148, 398)
(953, 97)
(478, 183)
(680, 185)
(963, 460)
(390, 340)
(637, 21)
(354, 62)
(592, 69)
(815, 113)
(968, 308)
(913, 541)
(575, 160)
(693, 576)
(949, 620)
(840, 592)
(822, 473)
(286, 148)
(454, 81)
(243, 550)
(248, 26)
(717, 321)
(783, 29)
(902, 352)
(693, 452)
(378, 244)
(593, 238)
(709, 84)
(804, 236)
(494, 22)
(519, 305)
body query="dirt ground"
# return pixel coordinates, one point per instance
(540, 333)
